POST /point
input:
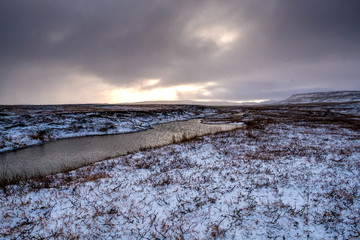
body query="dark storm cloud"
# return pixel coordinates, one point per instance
(280, 47)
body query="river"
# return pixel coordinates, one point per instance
(72, 153)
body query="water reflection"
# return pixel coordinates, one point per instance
(76, 152)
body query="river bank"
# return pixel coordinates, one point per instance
(72, 153)
(23, 126)
(273, 179)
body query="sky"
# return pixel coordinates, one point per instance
(116, 51)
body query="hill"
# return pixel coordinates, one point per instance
(323, 97)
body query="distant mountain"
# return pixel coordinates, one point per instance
(191, 102)
(323, 97)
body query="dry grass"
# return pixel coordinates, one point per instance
(281, 177)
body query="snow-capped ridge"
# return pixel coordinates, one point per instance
(323, 97)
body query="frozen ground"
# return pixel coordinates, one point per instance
(22, 126)
(293, 173)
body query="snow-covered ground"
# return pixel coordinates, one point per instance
(295, 178)
(22, 126)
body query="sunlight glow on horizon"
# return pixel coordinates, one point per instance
(233, 101)
(136, 94)
(146, 90)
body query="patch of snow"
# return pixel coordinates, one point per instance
(281, 182)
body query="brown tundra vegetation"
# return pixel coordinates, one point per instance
(292, 172)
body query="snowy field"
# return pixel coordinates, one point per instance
(292, 173)
(22, 126)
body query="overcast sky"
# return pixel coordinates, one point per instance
(91, 51)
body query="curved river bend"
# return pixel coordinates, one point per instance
(73, 153)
